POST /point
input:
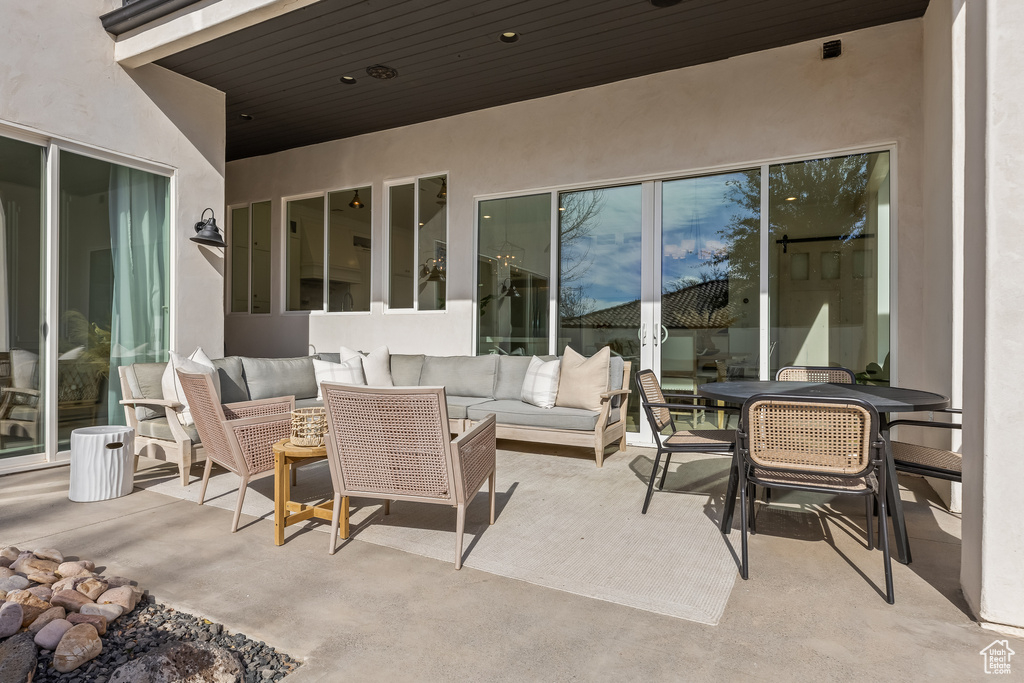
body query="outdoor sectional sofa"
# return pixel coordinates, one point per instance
(475, 386)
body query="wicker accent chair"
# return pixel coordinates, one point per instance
(808, 373)
(395, 444)
(924, 460)
(659, 416)
(237, 436)
(819, 445)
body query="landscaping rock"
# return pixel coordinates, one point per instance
(31, 606)
(6, 573)
(194, 662)
(122, 595)
(44, 593)
(92, 588)
(17, 659)
(28, 563)
(79, 645)
(51, 554)
(45, 618)
(50, 635)
(98, 621)
(108, 610)
(14, 583)
(116, 581)
(43, 577)
(5, 562)
(11, 615)
(10, 553)
(63, 585)
(72, 601)
(71, 569)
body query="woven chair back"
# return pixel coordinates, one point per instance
(650, 392)
(208, 415)
(823, 437)
(390, 441)
(823, 375)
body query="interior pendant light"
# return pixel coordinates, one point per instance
(443, 194)
(355, 203)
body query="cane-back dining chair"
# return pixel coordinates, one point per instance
(927, 461)
(395, 444)
(237, 436)
(659, 411)
(827, 446)
(809, 373)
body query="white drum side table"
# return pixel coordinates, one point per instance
(102, 463)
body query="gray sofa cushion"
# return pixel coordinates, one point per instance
(157, 428)
(460, 375)
(405, 369)
(510, 412)
(511, 373)
(458, 405)
(144, 380)
(232, 383)
(308, 403)
(274, 377)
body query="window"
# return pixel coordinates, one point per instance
(348, 244)
(304, 269)
(418, 244)
(513, 275)
(249, 259)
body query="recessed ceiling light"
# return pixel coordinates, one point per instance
(790, 199)
(509, 37)
(379, 71)
(486, 216)
(348, 80)
(245, 117)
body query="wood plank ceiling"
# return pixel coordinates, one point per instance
(284, 73)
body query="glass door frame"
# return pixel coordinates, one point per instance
(650, 332)
(53, 146)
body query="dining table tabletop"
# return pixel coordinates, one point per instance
(885, 400)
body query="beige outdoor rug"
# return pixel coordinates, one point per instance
(562, 523)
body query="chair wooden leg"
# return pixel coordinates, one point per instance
(238, 507)
(460, 527)
(650, 483)
(206, 480)
(491, 494)
(185, 463)
(335, 523)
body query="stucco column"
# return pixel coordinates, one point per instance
(993, 522)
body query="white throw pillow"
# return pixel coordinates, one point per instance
(540, 387)
(349, 372)
(198, 362)
(24, 369)
(376, 365)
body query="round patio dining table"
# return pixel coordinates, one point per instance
(885, 399)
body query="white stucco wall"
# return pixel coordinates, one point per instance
(58, 79)
(732, 113)
(992, 557)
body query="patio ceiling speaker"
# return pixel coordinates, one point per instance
(379, 71)
(207, 231)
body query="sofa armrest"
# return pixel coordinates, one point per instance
(261, 407)
(617, 392)
(151, 403)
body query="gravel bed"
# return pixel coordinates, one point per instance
(151, 625)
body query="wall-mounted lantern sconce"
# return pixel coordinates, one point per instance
(207, 231)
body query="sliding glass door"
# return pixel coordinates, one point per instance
(22, 295)
(709, 278)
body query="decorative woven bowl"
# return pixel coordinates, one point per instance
(309, 426)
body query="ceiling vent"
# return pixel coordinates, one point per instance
(831, 49)
(384, 73)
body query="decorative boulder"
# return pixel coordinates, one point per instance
(51, 554)
(98, 621)
(79, 645)
(45, 618)
(11, 616)
(194, 662)
(92, 588)
(122, 595)
(50, 635)
(17, 658)
(72, 601)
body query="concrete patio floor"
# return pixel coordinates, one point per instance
(810, 611)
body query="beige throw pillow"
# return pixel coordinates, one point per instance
(197, 363)
(582, 380)
(349, 372)
(376, 365)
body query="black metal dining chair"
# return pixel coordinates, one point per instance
(928, 461)
(659, 416)
(830, 446)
